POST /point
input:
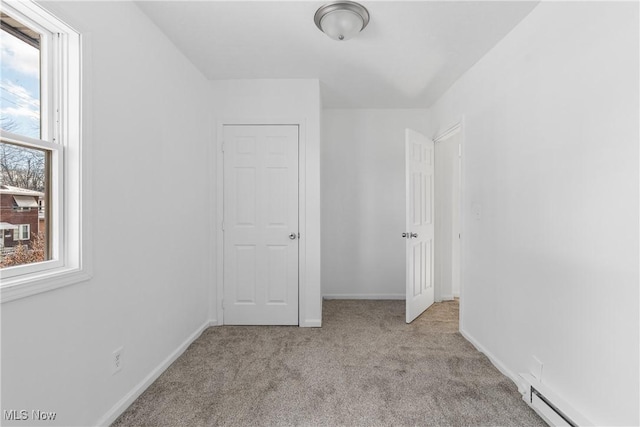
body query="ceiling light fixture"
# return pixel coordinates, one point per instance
(341, 20)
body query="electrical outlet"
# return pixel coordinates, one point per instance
(116, 361)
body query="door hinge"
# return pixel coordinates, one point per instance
(222, 225)
(223, 303)
(222, 147)
(459, 150)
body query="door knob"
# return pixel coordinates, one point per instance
(292, 236)
(413, 235)
(404, 235)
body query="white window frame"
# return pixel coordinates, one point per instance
(61, 82)
(18, 235)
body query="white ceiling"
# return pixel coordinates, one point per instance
(409, 54)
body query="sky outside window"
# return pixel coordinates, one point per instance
(19, 86)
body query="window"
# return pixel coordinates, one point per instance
(23, 232)
(41, 161)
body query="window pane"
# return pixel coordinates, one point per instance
(24, 216)
(20, 78)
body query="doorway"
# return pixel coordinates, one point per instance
(448, 155)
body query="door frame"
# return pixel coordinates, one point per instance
(217, 297)
(458, 126)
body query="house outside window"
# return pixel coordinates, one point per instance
(21, 224)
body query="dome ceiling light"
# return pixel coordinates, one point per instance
(341, 20)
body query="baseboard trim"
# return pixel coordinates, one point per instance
(311, 323)
(456, 294)
(447, 297)
(495, 361)
(130, 397)
(364, 296)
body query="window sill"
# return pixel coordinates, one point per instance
(33, 284)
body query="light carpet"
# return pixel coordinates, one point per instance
(364, 367)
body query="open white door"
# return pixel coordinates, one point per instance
(419, 223)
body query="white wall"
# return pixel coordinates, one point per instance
(149, 138)
(551, 157)
(363, 196)
(269, 101)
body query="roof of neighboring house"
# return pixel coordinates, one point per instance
(17, 191)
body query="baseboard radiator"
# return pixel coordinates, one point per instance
(552, 409)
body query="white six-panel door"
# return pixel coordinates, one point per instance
(419, 223)
(260, 225)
